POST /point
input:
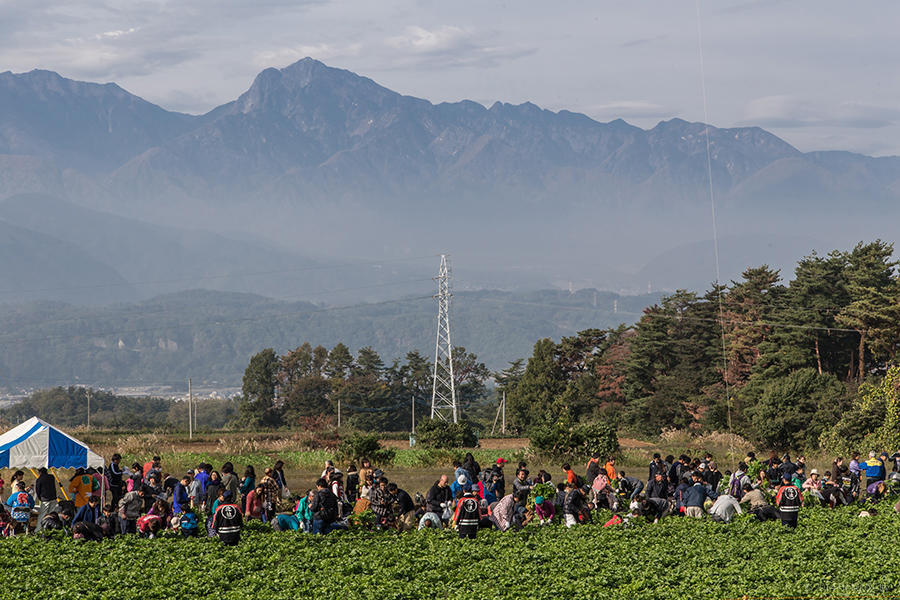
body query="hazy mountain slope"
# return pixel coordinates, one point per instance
(210, 336)
(34, 265)
(158, 259)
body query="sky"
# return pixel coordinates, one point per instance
(822, 74)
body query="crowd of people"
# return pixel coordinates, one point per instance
(101, 503)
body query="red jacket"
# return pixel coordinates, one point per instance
(254, 505)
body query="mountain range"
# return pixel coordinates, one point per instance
(314, 163)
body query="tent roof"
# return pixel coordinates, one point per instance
(36, 443)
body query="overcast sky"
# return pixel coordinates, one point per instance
(820, 74)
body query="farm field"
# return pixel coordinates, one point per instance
(832, 554)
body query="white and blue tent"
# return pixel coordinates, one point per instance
(35, 444)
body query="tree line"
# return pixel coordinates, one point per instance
(795, 364)
(286, 390)
(68, 407)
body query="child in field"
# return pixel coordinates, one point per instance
(109, 522)
(570, 474)
(188, 524)
(544, 510)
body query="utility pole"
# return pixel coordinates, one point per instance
(339, 412)
(413, 407)
(443, 386)
(501, 414)
(503, 423)
(190, 404)
(89, 392)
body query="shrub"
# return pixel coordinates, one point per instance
(872, 422)
(434, 433)
(359, 446)
(564, 438)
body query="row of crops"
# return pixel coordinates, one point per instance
(833, 553)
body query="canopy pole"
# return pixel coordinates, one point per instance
(55, 476)
(103, 485)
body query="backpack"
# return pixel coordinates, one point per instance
(735, 489)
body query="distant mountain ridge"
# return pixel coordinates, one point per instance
(324, 161)
(308, 131)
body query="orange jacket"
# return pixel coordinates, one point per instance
(611, 473)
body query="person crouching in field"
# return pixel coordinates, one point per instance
(467, 515)
(695, 496)
(188, 523)
(227, 521)
(544, 510)
(574, 506)
(789, 499)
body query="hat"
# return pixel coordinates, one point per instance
(502, 461)
(786, 477)
(814, 472)
(461, 480)
(337, 473)
(538, 499)
(702, 466)
(228, 495)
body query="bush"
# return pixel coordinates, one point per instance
(564, 438)
(872, 422)
(359, 446)
(434, 433)
(794, 410)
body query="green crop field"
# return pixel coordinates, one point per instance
(832, 554)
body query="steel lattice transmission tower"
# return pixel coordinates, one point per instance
(443, 387)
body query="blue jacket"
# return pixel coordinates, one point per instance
(203, 478)
(87, 514)
(460, 471)
(697, 494)
(189, 521)
(454, 487)
(20, 499)
(180, 498)
(874, 469)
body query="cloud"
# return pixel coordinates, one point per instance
(441, 39)
(291, 54)
(450, 46)
(115, 34)
(643, 41)
(794, 112)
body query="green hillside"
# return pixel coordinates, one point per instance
(210, 336)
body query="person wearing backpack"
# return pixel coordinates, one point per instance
(324, 507)
(188, 523)
(788, 500)
(737, 482)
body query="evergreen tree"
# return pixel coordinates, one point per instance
(540, 385)
(258, 408)
(874, 306)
